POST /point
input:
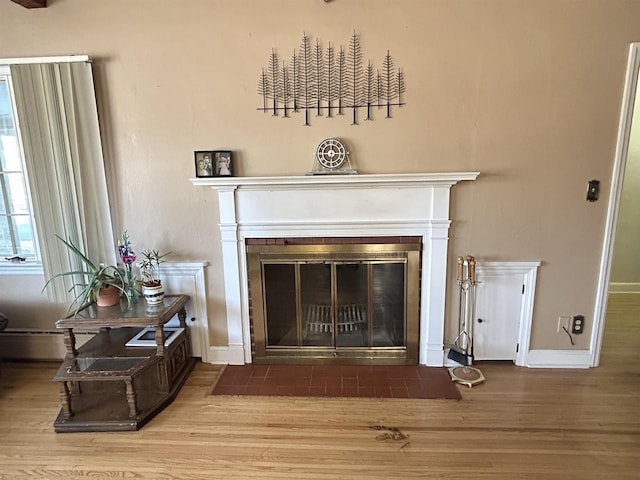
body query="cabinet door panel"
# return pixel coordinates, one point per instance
(497, 319)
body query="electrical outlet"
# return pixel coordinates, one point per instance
(563, 321)
(577, 324)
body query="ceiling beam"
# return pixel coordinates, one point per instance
(31, 3)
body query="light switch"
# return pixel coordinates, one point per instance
(593, 189)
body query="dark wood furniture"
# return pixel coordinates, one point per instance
(107, 386)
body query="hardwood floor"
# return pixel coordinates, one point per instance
(520, 424)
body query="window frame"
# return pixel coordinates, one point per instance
(33, 264)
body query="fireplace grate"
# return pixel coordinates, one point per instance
(317, 318)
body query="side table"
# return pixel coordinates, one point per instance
(106, 385)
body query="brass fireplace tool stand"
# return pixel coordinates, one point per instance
(462, 349)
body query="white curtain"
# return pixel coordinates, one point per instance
(59, 124)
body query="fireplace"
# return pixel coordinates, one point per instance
(342, 207)
(334, 300)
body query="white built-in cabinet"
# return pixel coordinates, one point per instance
(504, 308)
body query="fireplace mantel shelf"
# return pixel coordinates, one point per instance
(335, 181)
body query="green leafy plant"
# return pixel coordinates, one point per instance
(149, 267)
(90, 278)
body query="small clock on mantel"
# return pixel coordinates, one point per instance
(332, 158)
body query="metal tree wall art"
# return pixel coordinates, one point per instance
(329, 82)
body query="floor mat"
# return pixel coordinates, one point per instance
(363, 381)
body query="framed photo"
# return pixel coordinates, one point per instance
(223, 163)
(204, 163)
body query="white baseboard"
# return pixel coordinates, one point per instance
(559, 359)
(549, 359)
(218, 355)
(624, 287)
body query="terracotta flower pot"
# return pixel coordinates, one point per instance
(108, 296)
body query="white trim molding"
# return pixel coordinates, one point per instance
(10, 268)
(559, 359)
(58, 59)
(335, 181)
(188, 278)
(617, 178)
(624, 287)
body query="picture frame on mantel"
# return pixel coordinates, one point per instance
(223, 163)
(204, 163)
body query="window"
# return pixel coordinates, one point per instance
(17, 232)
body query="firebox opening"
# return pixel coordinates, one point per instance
(335, 300)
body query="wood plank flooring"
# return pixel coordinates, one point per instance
(520, 424)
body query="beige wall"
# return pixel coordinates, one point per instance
(626, 260)
(528, 93)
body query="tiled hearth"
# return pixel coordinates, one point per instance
(336, 381)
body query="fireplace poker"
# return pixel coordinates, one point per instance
(471, 304)
(460, 349)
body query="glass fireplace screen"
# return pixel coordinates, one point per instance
(357, 305)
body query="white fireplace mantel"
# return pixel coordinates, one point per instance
(336, 181)
(413, 204)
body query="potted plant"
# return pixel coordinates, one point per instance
(152, 288)
(93, 283)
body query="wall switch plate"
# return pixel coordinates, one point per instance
(593, 189)
(577, 324)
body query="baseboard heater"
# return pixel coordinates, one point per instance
(35, 344)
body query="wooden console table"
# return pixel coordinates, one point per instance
(108, 386)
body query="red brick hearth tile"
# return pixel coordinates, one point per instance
(383, 392)
(424, 372)
(255, 381)
(399, 392)
(268, 390)
(350, 392)
(396, 383)
(401, 371)
(333, 391)
(368, 379)
(259, 370)
(413, 382)
(318, 382)
(290, 371)
(336, 371)
(294, 381)
(368, 369)
(349, 371)
(317, 391)
(382, 383)
(253, 390)
(233, 379)
(336, 381)
(322, 370)
(415, 392)
(240, 371)
(349, 383)
(292, 391)
(366, 392)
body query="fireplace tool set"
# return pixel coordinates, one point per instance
(462, 349)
